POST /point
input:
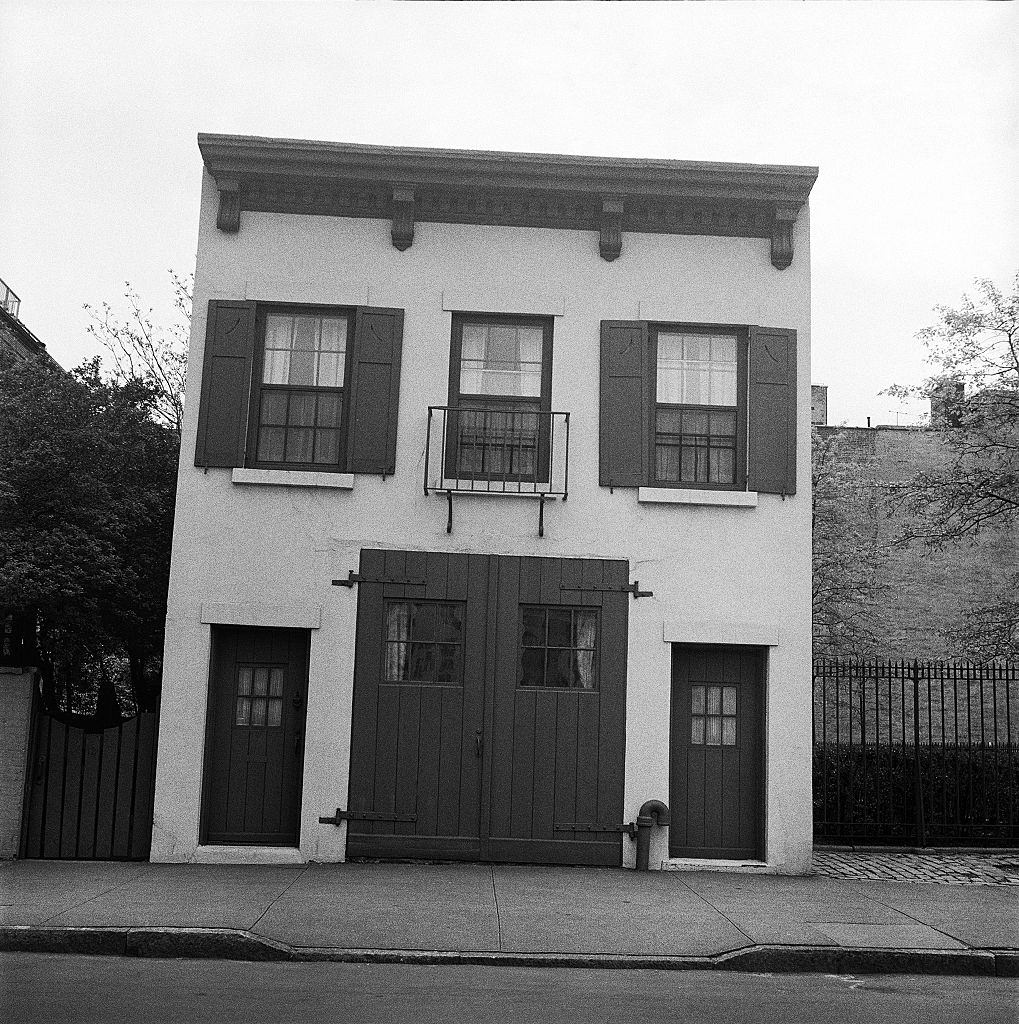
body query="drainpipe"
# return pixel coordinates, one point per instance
(650, 812)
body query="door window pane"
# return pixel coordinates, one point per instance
(558, 647)
(713, 715)
(423, 641)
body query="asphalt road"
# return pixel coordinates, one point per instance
(82, 990)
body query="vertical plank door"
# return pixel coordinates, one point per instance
(716, 763)
(255, 736)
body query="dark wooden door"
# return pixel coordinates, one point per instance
(717, 768)
(489, 705)
(255, 737)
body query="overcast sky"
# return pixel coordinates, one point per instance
(910, 110)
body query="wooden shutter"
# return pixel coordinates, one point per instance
(624, 422)
(771, 454)
(226, 383)
(373, 393)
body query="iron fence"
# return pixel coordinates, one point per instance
(915, 752)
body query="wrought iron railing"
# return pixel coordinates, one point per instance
(499, 448)
(9, 300)
(915, 752)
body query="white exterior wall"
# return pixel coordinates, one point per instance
(729, 574)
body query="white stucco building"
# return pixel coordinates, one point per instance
(493, 515)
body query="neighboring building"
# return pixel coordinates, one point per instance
(403, 363)
(819, 404)
(15, 338)
(928, 590)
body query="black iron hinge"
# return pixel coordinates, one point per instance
(629, 827)
(630, 588)
(342, 815)
(356, 577)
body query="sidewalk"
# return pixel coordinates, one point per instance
(508, 914)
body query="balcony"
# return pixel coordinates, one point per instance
(10, 302)
(509, 449)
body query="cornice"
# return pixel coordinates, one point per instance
(604, 194)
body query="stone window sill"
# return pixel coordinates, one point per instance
(294, 478)
(693, 496)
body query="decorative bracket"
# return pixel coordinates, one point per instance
(610, 244)
(782, 235)
(403, 218)
(229, 216)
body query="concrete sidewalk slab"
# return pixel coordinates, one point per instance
(417, 906)
(32, 892)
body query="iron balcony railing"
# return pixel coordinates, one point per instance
(497, 448)
(9, 300)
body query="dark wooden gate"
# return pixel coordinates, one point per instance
(716, 763)
(483, 728)
(254, 748)
(89, 791)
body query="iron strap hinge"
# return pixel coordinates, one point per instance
(630, 588)
(342, 815)
(356, 577)
(629, 827)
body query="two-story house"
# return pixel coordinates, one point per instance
(493, 515)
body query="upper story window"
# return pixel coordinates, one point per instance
(500, 385)
(301, 367)
(697, 406)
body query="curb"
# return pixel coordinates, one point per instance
(233, 944)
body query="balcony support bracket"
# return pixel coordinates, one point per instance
(449, 519)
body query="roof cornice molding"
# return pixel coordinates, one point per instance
(605, 194)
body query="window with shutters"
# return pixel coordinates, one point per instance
(500, 395)
(700, 406)
(297, 418)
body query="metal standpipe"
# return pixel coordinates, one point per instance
(651, 811)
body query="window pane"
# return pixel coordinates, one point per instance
(276, 682)
(398, 620)
(423, 624)
(713, 735)
(532, 667)
(697, 700)
(559, 668)
(396, 662)
(328, 411)
(422, 662)
(723, 387)
(300, 444)
(695, 424)
(533, 623)
(728, 700)
(243, 710)
(330, 370)
(327, 447)
(714, 700)
(728, 732)
(302, 409)
(270, 444)
(279, 332)
(275, 713)
(501, 359)
(261, 681)
(697, 730)
(276, 369)
(334, 334)
(244, 680)
(448, 623)
(583, 675)
(585, 623)
(722, 466)
(445, 662)
(273, 410)
(560, 632)
(258, 711)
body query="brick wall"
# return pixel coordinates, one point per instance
(929, 590)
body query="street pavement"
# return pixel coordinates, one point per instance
(510, 915)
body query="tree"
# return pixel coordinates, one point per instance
(141, 350)
(975, 351)
(848, 552)
(87, 485)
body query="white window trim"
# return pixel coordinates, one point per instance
(696, 496)
(293, 478)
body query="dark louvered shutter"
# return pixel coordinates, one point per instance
(226, 384)
(373, 392)
(771, 455)
(624, 414)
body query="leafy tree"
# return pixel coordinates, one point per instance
(142, 350)
(848, 551)
(975, 351)
(87, 485)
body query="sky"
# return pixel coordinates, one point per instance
(910, 110)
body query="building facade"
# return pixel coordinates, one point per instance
(493, 515)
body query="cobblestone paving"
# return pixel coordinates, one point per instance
(905, 866)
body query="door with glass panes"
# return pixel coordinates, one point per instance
(489, 702)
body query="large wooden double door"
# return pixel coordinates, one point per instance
(489, 706)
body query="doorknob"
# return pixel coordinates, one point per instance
(478, 743)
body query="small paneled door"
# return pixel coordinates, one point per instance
(254, 747)
(716, 787)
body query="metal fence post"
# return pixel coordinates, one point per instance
(917, 781)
